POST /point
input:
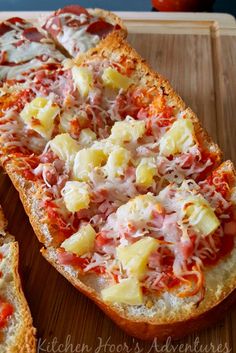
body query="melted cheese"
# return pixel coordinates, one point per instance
(15, 72)
(77, 40)
(28, 50)
(137, 210)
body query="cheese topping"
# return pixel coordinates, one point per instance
(77, 32)
(78, 41)
(25, 54)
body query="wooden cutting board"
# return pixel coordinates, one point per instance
(197, 53)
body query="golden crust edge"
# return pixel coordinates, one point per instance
(147, 329)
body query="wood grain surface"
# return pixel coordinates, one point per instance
(202, 68)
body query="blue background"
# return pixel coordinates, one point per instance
(228, 6)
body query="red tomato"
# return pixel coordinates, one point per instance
(226, 245)
(182, 5)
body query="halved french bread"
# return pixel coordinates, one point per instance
(170, 315)
(18, 334)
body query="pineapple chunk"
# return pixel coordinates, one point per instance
(112, 78)
(117, 162)
(138, 209)
(179, 138)
(86, 137)
(65, 147)
(145, 172)
(128, 291)
(76, 195)
(127, 130)
(81, 242)
(200, 215)
(83, 79)
(134, 258)
(86, 160)
(39, 114)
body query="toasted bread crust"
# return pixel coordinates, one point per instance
(25, 341)
(27, 191)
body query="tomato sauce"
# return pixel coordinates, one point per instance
(220, 181)
(6, 310)
(57, 222)
(226, 245)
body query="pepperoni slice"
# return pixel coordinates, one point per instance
(32, 34)
(15, 20)
(4, 29)
(100, 28)
(74, 9)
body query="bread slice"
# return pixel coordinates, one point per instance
(168, 315)
(18, 336)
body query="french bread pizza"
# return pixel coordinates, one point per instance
(17, 334)
(121, 183)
